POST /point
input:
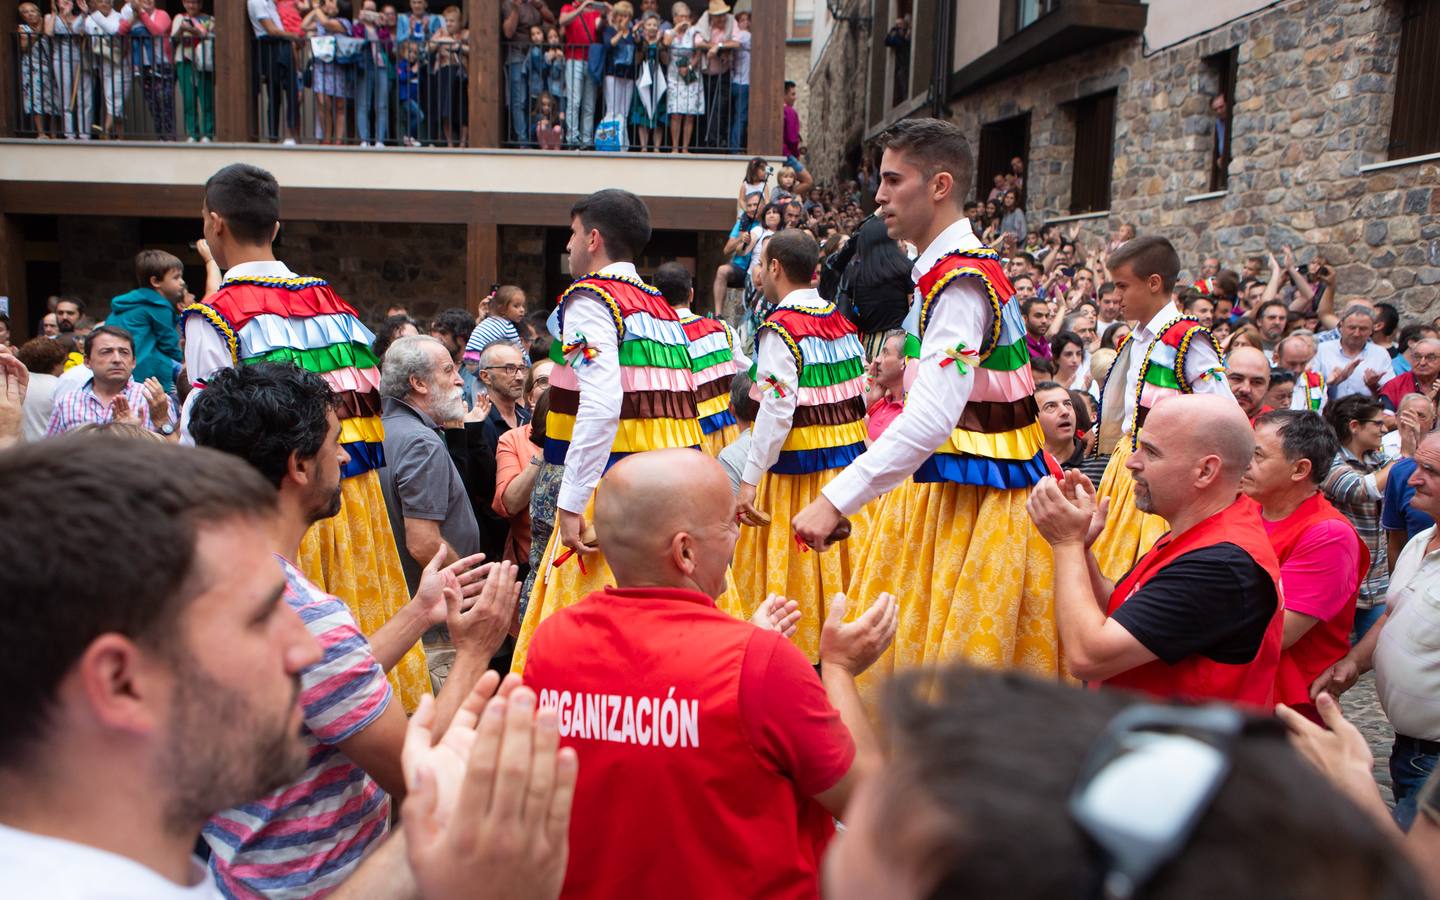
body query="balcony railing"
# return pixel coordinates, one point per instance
(626, 98)
(342, 90)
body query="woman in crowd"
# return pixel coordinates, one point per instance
(1068, 351)
(153, 57)
(544, 492)
(37, 81)
(1220, 331)
(647, 110)
(517, 463)
(74, 77)
(1355, 486)
(1245, 336)
(330, 79)
(372, 87)
(103, 28)
(685, 97)
(450, 49)
(194, 37)
(1114, 334)
(621, 65)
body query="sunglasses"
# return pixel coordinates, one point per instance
(1147, 782)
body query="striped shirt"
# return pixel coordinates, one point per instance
(493, 330)
(306, 838)
(1350, 487)
(83, 407)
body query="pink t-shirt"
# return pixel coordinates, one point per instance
(1319, 576)
(881, 413)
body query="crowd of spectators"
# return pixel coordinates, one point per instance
(596, 75)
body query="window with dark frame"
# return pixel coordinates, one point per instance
(1222, 67)
(1094, 152)
(1415, 123)
(900, 43)
(1016, 15)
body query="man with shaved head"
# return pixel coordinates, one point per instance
(698, 732)
(1199, 616)
(1248, 372)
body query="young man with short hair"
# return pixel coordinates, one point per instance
(151, 314)
(951, 539)
(265, 312)
(809, 371)
(1057, 418)
(623, 383)
(1167, 355)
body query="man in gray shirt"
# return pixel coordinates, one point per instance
(424, 493)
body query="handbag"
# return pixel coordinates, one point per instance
(348, 49)
(610, 134)
(322, 47)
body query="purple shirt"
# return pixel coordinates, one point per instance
(1037, 345)
(792, 131)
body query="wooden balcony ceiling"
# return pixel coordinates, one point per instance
(509, 187)
(1076, 25)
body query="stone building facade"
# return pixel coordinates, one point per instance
(1313, 100)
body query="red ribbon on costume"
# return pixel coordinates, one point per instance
(962, 356)
(773, 383)
(800, 542)
(565, 557)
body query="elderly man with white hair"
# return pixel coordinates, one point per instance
(1354, 364)
(424, 493)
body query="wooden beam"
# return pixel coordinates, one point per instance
(482, 262)
(486, 82)
(234, 99)
(12, 278)
(9, 67)
(767, 77)
(172, 201)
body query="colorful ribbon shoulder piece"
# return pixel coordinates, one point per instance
(579, 352)
(773, 384)
(1214, 373)
(962, 356)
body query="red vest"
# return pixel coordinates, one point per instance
(1329, 640)
(672, 800)
(1199, 677)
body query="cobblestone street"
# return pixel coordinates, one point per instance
(1362, 707)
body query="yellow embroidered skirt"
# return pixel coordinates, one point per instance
(768, 561)
(352, 555)
(558, 587)
(1129, 533)
(973, 577)
(719, 439)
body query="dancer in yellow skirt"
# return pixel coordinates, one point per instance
(622, 384)
(810, 377)
(263, 312)
(954, 545)
(715, 357)
(1166, 354)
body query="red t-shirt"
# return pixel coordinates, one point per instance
(881, 413)
(702, 742)
(580, 31)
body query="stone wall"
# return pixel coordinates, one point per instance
(1314, 95)
(836, 109)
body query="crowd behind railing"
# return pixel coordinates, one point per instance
(598, 77)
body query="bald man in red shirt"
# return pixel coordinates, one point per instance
(712, 759)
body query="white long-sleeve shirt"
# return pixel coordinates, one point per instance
(777, 413)
(1200, 358)
(939, 393)
(601, 393)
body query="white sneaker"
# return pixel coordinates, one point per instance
(288, 142)
(204, 140)
(364, 143)
(188, 140)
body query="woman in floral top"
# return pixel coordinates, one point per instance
(1355, 486)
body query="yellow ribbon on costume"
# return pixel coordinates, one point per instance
(821, 437)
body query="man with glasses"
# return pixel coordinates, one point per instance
(503, 371)
(1421, 379)
(1199, 616)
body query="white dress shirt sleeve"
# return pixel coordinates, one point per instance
(742, 362)
(600, 398)
(933, 406)
(206, 352)
(777, 414)
(1201, 359)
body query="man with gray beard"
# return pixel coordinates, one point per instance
(424, 492)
